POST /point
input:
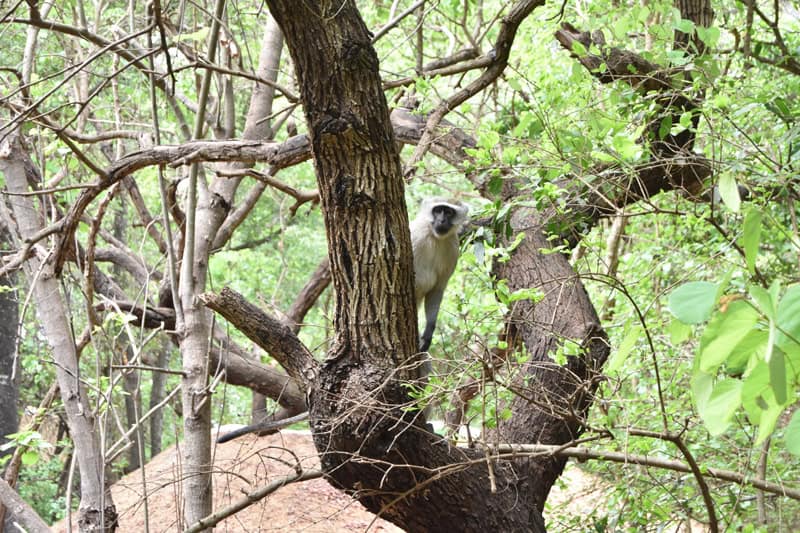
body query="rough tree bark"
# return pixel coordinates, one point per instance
(369, 444)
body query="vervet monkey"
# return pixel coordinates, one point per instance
(434, 242)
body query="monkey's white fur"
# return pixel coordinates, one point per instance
(435, 257)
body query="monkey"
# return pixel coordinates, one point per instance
(434, 243)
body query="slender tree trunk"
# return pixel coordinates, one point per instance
(97, 512)
(133, 408)
(157, 394)
(212, 208)
(9, 367)
(261, 105)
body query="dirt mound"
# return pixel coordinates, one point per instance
(241, 466)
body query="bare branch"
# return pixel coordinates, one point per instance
(252, 497)
(275, 337)
(643, 460)
(499, 59)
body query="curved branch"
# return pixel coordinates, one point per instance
(275, 337)
(499, 59)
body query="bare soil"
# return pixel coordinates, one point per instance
(241, 466)
(251, 462)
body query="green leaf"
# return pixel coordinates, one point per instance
(685, 120)
(709, 36)
(758, 399)
(722, 285)
(533, 294)
(624, 349)
(793, 434)
(725, 399)
(724, 332)
(665, 126)
(788, 319)
(777, 376)
(495, 185)
(479, 250)
(757, 395)
(30, 457)
(678, 332)
(578, 49)
(489, 139)
(751, 237)
(763, 300)
(702, 384)
(684, 25)
(769, 419)
(692, 302)
(749, 350)
(729, 192)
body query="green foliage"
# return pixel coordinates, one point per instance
(754, 339)
(32, 444)
(692, 303)
(38, 485)
(686, 312)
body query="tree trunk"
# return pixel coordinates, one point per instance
(212, 209)
(261, 105)
(9, 366)
(133, 409)
(157, 394)
(370, 443)
(97, 512)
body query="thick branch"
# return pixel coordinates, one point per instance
(619, 64)
(21, 514)
(275, 337)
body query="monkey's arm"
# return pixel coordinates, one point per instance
(432, 302)
(269, 425)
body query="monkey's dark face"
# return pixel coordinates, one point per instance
(443, 219)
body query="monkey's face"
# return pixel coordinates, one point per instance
(443, 219)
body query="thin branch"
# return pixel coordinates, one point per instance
(701, 482)
(395, 21)
(286, 92)
(251, 498)
(499, 59)
(149, 369)
(511, 451)
(301, 197)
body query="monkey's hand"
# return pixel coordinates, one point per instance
(424, 342)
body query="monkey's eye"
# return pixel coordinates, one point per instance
(448, 212)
